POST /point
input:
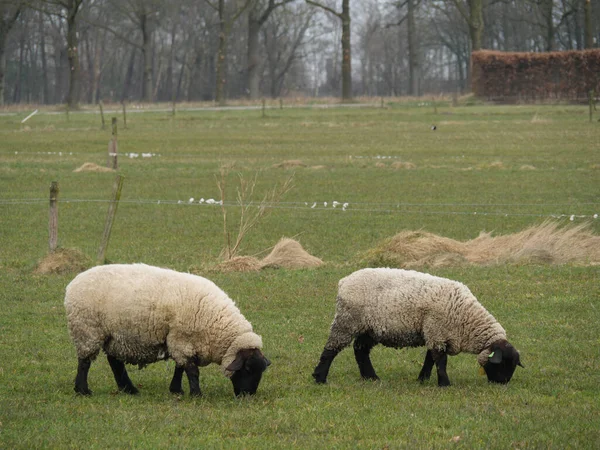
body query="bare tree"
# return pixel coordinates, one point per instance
(283, 38)
(256, 19)
(344, 17)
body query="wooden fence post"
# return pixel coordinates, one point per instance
(102, 115)
(124, 116)
(592, 104)
(110, 218)
(111, 161)
(53, 217)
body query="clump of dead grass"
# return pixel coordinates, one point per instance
(289, 254)
(92, 167)
(61, 261)
(289, 164)
(547, 243)
(239, 264)
(403, 165)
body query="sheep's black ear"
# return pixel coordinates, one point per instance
(495, 357)
(518, 357)
(267, 361)
(237, 363)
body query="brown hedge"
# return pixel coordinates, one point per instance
(535, 76)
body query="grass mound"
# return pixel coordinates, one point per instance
(547, 243)
(63, 260)
(92, 167)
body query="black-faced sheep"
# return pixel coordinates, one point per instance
(140, 314)
(403, 308)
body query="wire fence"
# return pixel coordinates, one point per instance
(481, 209)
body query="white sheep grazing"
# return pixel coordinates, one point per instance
(403, 308)
(140, 314)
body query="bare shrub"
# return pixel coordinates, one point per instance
(251, 212)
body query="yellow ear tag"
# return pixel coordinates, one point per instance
(481, 371)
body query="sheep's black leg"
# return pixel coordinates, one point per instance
(175, 386)
(121, 377)
(322, 369)
(339, 338)
(425, 373)
(81, 384)
(441, 359)
(362, 348)
(193, 375)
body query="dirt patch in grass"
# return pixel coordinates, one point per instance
(92, 167)
(63, 260)
(547, 243)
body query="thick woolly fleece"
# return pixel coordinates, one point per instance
(141, 314)
(405, 308)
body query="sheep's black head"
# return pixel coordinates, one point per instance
(502, 362)
(247, 367)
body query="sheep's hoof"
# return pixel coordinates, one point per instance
(319, 379)
(132, 390)
(371, 378)
(444, 383)
(176, 391)
(80, 391)
(195, 394)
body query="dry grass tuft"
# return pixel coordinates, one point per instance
(289, 254)
(548, 243)
(92, 167)
(403, 165)
(289, 164)
(239, 264)
(527, 167)
(63, 260)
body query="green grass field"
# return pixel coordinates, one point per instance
(492, 168)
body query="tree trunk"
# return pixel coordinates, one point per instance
(5, 26)
(413, 55)
(346, 53)
(73, 53)
(2, 66)
(476, 23)
(588, 29)
(45, 88)
(548, 12)
(221, 69)
(253, 55)
(147, 54)
(128, 77)
(18, 81)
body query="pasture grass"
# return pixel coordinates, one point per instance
(500, 169)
